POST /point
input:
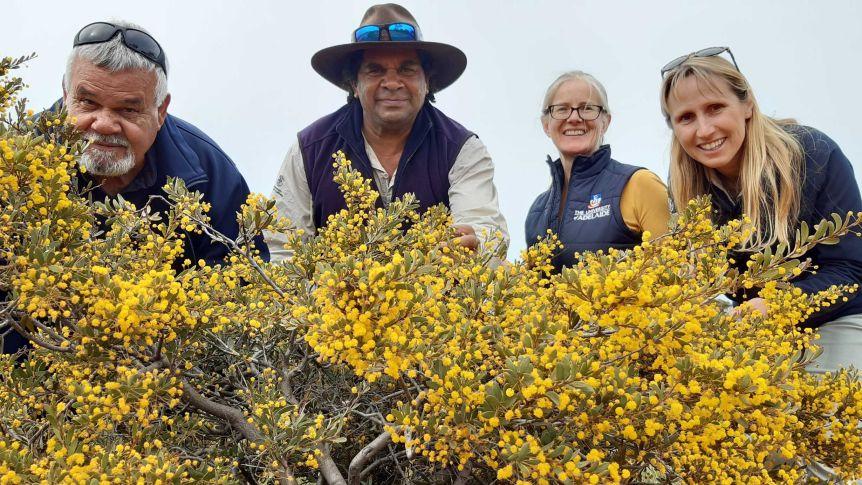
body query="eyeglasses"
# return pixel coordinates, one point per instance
(708, 52)
(587, 112)
(137, 40)
(398, 31)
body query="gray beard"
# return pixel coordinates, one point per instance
(105, 164)
(98, 163)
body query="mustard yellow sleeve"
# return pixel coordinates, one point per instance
(644, 204)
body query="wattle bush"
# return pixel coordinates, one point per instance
(382, 350)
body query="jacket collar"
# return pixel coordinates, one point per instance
(589, 165)
(584, 165)
(169, 156)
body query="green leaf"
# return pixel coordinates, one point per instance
(563, 370)
(839, 221)
(521, 453)
(821, 229)
(548, 436)
(583, 387)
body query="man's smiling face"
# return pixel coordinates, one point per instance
(117, 113)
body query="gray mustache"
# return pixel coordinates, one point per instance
(94, 137)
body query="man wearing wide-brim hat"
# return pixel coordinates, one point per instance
(391, 133)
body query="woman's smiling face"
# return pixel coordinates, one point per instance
(709, 121)
(575, 136)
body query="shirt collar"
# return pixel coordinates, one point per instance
(377, 166)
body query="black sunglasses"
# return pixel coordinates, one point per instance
(398, 31)
(708, 52)
(137, 40)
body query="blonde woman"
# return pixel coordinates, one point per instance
(594, 202)
(775, 171)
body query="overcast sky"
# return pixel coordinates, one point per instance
(241, 71)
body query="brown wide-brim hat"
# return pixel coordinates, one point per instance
(448, 61)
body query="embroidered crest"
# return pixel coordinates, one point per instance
(595, 200)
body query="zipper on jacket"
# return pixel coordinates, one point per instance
(563, 201)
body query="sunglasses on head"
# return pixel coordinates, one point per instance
(398, 31)
(708, 52)
(137, 40)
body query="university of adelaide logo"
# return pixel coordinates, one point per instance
(594, 209)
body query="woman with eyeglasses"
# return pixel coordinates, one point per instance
(594, 202)
(777, 172)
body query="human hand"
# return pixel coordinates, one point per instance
(758, 304)
(466, 236)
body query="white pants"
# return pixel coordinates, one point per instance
(841, 344)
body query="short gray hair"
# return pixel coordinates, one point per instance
(576, 76)
(115, 56)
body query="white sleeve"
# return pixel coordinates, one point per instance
(472, 194)
(292, 200)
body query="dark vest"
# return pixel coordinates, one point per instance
(591, 219)
(432, 146)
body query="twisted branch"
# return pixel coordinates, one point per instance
(29, 336)
(357, 464)
(233, 416)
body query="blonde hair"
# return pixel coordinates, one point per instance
(771, 167)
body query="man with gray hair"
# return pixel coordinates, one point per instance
(116, 88)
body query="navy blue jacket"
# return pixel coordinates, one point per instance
(829, 187)
(592, 219)
(429, 153)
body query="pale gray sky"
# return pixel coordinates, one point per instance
(241, 71)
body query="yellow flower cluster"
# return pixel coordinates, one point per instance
(374, 309)
(9, 87)
(71, 463)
